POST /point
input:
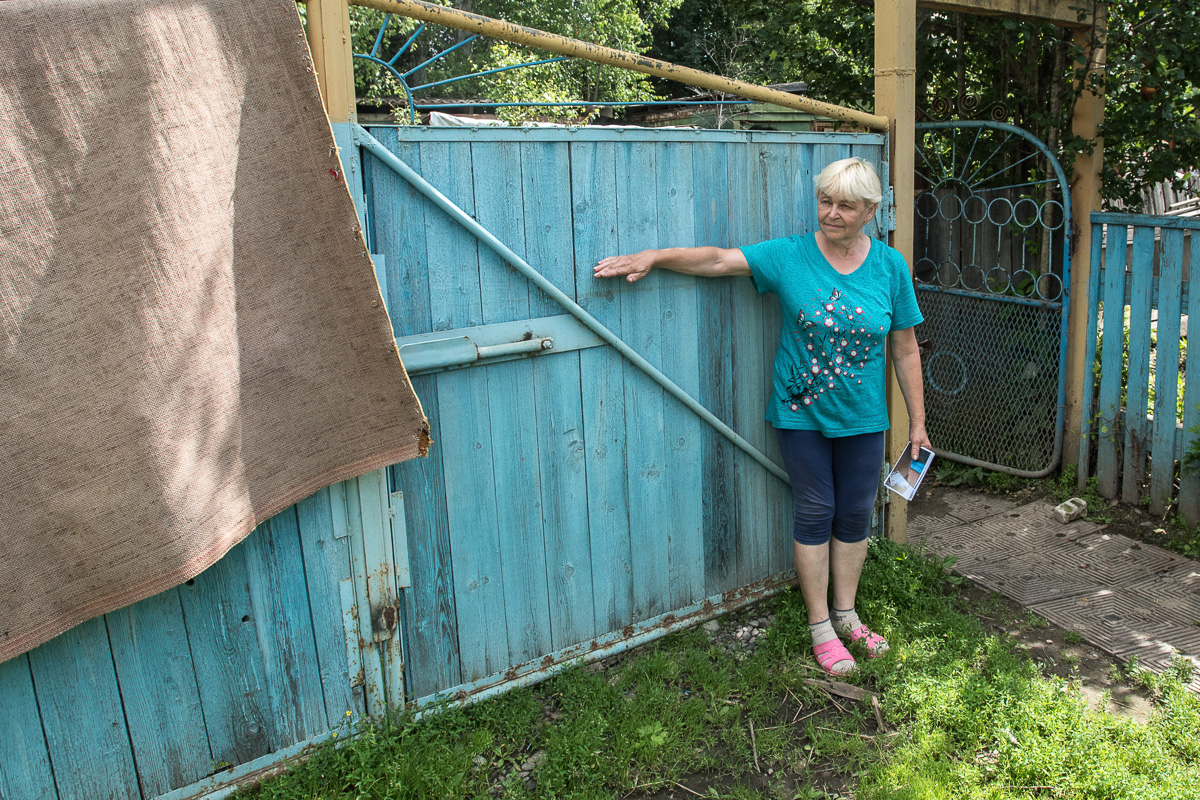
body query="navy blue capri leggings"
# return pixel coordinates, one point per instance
(834, 482)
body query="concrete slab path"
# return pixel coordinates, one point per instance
(1121, 595)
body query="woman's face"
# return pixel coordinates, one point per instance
(842, 220)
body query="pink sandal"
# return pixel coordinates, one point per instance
(831, 653)
(876, 644)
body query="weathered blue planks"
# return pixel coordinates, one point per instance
(326, 563)
(159, 693)
(275, 573)
(398, 225)
(453, 255)
(710, 168)
(1189, 481)
(682, 430)
(1129, 435)
(230, 673)
(1087, 422)
(498, 208)
(24, 760)
(546, 184)
(432, 621)
(1109, 407)
(81, 715)
(641, 311)
(1137, 386)
(403, 223)
(1166, 374)
(577, 461)
(602, 387)
(752, 374)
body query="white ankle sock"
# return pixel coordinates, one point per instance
(822, 632)
(845, 621)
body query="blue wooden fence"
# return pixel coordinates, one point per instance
(570, 505)
(1135, 419)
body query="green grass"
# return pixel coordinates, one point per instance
(973, 717)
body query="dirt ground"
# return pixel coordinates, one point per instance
(1058, 652)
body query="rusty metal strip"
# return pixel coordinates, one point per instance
(602, 647)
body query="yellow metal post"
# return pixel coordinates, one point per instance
(333, 58)
(895, 98)
(1085, 198)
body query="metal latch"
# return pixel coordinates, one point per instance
(460, 351)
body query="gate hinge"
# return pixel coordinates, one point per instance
(891, 208)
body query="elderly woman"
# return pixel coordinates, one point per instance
(842, 294)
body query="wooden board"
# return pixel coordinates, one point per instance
(81, 715)
(546, 191)
(24, 759)
(710, 180)
(159, 693)
(230, 672)
(602, 386)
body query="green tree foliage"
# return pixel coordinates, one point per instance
(828, 45)
(1151, 129)
(974, 67)
(621, 24)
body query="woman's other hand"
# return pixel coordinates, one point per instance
(633, 267)
(919, 439)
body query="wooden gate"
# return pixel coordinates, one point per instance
(570, 503)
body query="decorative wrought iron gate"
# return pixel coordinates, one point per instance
(992, 253)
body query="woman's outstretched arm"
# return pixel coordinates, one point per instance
(710, 262)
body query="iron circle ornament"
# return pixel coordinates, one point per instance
(1049, 287)
(998, 281)
(973, 278)
(1005, 215)
(1024, 283)
(950, 207)
(1052, 216)
(975, 209)
(927, 205)
(1027, 212)
(944, 369)
(949, 274)
(926, 271)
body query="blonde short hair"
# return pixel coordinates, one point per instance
(850, 179)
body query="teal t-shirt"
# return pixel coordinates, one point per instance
(829, 368)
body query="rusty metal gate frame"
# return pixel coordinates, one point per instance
(985, 285)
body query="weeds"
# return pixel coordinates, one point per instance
(972, 716)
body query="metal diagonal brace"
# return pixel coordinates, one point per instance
(365, 140)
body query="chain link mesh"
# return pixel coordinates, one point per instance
(991, 377)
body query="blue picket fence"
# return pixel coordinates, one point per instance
(1141, 409)
(570, 507)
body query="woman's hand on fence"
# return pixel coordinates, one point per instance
(633, 267)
